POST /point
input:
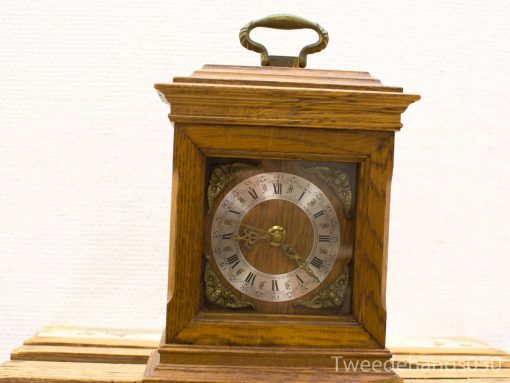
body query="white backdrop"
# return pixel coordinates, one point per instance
(85, 152)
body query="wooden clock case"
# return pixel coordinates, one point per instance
(278, 113)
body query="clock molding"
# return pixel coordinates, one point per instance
(283, 114)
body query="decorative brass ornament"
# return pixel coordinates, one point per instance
(220, 295)
(283, 22)
(338, 181)
(332, 296)
(221, 176)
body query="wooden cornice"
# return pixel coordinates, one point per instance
(294, 98)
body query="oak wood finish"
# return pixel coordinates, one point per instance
(326, 99)
(77, 354)
(277, 114)
(225, 329)
(184, 287)
(86, 362)
(274, 358)
(373, 151)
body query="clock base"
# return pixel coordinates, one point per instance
(158, 372)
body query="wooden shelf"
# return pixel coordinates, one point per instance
(84, 355)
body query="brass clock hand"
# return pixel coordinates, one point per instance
(251, 235)
(290, 252)
(255, 229)
(275, 235)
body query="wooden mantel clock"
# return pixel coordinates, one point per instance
(279, 222)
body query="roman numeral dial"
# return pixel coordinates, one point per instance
(301, 257)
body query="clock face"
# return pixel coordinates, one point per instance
(275, 236)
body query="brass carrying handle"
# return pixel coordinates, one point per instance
(283, 22)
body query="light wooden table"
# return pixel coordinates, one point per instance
(82, 355)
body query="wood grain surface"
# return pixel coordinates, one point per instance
(274, 115)
(423, 360)
(372, 151)
(185, 260)
(285, 97)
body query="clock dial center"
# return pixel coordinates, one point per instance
(281, 221)
(277, 235)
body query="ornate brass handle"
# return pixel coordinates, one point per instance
(283, 22)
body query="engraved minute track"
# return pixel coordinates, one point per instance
(233, 239)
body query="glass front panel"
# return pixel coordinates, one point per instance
(278, 236)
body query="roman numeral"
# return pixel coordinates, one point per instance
(233, 211)
(301, 196)
(324, 238)
(227, 236)
(318, 214)
(274, 285)
(233, 260)
(250, 278)
(277, 188)
(317, 262)
(253, 193)
(299, 279)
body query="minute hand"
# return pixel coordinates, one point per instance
(290, 252)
